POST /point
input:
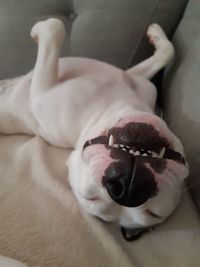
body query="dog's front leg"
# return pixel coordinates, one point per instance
(163, 55)
(48, 100)
(49, 35)
(16, 102)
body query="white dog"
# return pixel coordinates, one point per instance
(126, 165)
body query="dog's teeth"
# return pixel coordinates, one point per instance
(116, 145)
(124, 149)
(162, 152)
(154, 154)
(111, 140)
(144, 154)
(137, 153)
(122, 145)
(131, 151)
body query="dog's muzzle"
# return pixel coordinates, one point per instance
(130, 187)
(130, 178)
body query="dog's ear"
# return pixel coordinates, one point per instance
(134, 234)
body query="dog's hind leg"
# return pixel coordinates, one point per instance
(164, 54)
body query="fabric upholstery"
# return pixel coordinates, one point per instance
(181, 93)
(41, 223)
(108, 30)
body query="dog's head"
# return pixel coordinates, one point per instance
(132, 173)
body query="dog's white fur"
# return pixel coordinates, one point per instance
(70, 101)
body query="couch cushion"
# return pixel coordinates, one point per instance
(42, 224)
(112, 31)
(181, 93)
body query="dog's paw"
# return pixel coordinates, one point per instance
(159, 40)
(52, 28)
(156, 35)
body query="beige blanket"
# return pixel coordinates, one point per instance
(41, 223)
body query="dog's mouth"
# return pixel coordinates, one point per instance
(136, 150)
(134, 234)
(139, 140)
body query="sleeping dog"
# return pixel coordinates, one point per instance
(126, 165)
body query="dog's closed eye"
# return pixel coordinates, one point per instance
(154, 215)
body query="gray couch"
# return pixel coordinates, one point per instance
(181, 92)
(108, 30)
(112, 31)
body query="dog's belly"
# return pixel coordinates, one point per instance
(109, 80)
(89, 92)
(70, 68)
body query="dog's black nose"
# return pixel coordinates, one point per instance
(131, 185)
